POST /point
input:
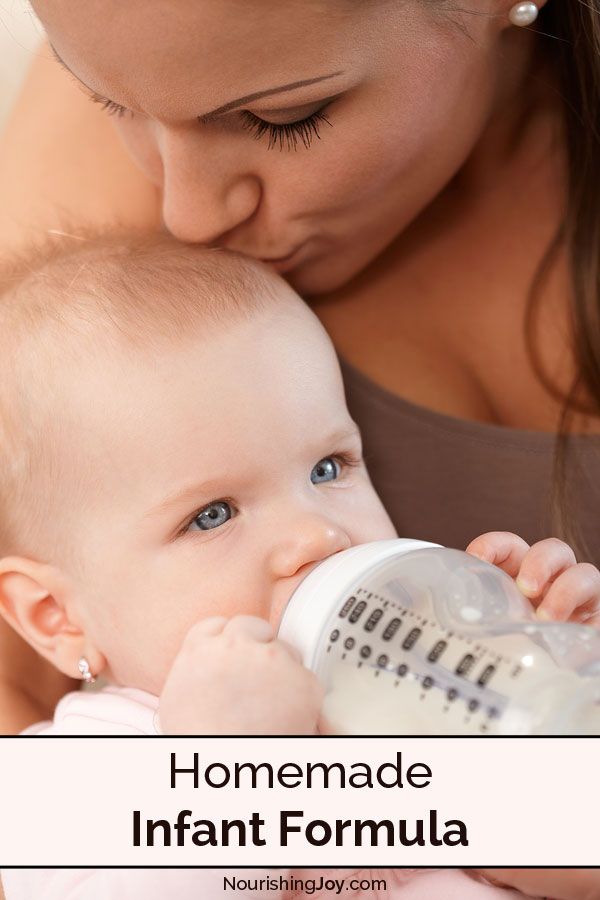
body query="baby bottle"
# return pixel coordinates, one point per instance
(413, 638)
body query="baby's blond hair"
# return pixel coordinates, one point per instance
(62, 302)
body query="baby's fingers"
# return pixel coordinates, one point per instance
(541, 565)
(251, 627)
(575, 594)
(500, 548)
(208, 627)
(261, 631)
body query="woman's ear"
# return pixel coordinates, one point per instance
(34, 599)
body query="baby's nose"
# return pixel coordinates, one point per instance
(309, 541)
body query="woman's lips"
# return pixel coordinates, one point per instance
(283, 264)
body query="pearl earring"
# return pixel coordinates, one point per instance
(523, 14)
(84, 668)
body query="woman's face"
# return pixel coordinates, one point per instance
(208, 95)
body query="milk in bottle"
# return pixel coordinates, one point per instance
(413, 638)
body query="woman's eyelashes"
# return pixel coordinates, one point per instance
(287, 135)
(109, 106)
(284, 136)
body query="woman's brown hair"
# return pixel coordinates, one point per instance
(570, 31)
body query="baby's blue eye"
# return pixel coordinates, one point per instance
(213, 515)
(326, 469)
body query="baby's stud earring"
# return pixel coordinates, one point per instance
(84, 667)
(523, 14)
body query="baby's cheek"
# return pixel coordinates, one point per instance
(163, 597)
(146, 666)
(370, 521)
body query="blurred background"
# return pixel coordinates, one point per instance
(20, 35)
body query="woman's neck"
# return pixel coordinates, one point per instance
(526, 116)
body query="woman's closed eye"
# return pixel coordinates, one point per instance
(282, 135)
(286, 135)
(109, 106)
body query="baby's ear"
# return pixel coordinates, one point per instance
(34, 599)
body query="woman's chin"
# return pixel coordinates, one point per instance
(322, 275)
(328, 271)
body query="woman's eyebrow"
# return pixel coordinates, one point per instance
(233, 104)
(250, 98)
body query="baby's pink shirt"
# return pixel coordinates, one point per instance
(113, 710)
(126, 711)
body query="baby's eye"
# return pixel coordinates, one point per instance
(327, 469)
(212, 516)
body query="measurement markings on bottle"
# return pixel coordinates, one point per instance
(391, 628)
(373, 619)
(436, 651)
(357, 611)
(465, 665)
(411, 638)
(441, 657)
(349, 603)
(486, 675)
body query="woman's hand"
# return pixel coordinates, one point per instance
(555, 884)
(233, 677)
(546, 573)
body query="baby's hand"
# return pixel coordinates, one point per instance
(233, 677)
(546, 573)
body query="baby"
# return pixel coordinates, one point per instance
(175, 456)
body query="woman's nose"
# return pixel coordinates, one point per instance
(307, 540)
(205, 195)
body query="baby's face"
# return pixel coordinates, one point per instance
(220, 473)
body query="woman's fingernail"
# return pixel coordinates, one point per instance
(528, 586)
(545, 615)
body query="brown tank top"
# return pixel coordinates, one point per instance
(447, 480)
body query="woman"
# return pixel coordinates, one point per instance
(422, 171)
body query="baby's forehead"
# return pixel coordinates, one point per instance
(232, 409)
(111, 381)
